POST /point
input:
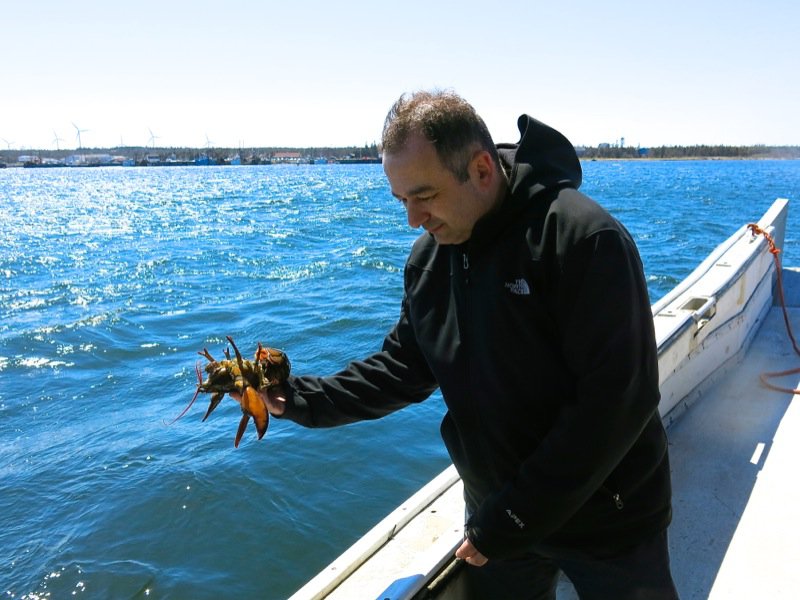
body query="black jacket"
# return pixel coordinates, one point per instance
(539, 332)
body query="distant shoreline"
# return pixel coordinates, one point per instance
(697, 152)
(4, 166)
(679, 158)
(144, 156)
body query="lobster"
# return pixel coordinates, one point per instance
(269, 367)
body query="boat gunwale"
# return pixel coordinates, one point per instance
(766, 222)
(370, 543)
(687, 319)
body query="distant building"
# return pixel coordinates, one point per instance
(89, 160)
(287, 157)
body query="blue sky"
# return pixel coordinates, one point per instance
(314, 73)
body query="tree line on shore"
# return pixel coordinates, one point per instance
(256, 155)
(219, 155)
(606, 151)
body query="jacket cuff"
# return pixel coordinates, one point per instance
(499, 530)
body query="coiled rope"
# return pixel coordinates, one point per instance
(774, 250)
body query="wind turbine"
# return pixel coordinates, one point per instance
(153, 138)
(79, 131)
(7, 143)
(56, 139)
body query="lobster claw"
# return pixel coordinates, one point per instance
(252, 406)
(240, 431)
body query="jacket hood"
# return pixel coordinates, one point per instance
(543, 158)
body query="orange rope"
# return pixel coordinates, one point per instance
(774, 250)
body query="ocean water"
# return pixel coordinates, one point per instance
(111, 281)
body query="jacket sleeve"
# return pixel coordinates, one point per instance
(388, 380)
(606, 334)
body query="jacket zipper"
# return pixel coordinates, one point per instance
(465, 257)
(615, 496)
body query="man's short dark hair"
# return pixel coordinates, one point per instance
(445, 119)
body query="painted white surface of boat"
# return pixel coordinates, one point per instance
(733, 446)
(713, 314)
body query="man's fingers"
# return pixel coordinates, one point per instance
(465, 550)
(470, 554)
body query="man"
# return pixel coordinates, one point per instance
(526, 304)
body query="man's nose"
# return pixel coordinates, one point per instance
(417, 214)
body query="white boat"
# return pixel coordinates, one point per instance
(734, 446)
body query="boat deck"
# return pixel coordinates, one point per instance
(734, 456)
(736, 490)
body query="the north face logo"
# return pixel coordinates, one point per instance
(519, 287)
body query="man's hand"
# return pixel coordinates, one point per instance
(471, 555)
(274, 398)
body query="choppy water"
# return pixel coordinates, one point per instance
(112, 279)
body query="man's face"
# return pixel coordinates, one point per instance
(434, 199)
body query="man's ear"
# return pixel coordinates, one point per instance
(482, 169)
